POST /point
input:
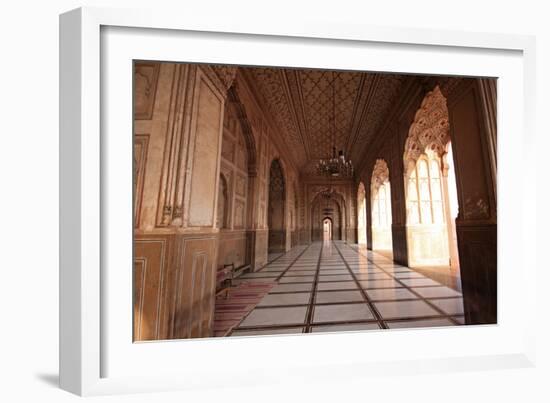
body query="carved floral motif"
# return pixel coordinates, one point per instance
(380, 175)
(430, 129)
(476, 208)
(145, 79)
(240, 187)
(315, 190)
(301, 102)
(226, 74)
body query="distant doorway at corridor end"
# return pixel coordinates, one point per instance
(327, 229)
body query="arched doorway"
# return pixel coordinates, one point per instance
(381, 212)
(235, 209)
(432, 204)
(276, 209)
(328, 205)
(327, 229)
(361, 215)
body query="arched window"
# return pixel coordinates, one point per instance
(424, 192)
(430, 231)
(221, 218)
(381, 206)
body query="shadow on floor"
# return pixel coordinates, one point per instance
(443, 274)
(49, 379)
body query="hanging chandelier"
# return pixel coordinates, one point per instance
(337, 166)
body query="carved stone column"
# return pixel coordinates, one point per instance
(473, 135)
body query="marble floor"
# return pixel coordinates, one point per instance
(332, 286)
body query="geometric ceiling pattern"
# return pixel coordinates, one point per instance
(319, 109)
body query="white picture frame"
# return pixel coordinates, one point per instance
(96, 356)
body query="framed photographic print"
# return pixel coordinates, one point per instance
(287, 198)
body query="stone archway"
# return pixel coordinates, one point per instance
(327, 229)
(237, 187)
(381, 211)
(431, 234)
(331, 205)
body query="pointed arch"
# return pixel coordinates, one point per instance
(233, 97)
(430, 233)
(381, 211)
(328, 204)
(237, 190)
(430, 128)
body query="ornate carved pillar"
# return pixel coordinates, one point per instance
(472, 110)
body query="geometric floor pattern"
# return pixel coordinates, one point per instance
(331, 286)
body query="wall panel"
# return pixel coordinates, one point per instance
(205, 156)
(195, 293)
(151, 261)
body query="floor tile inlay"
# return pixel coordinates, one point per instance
(333, 286)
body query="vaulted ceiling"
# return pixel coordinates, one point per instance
(304, 101)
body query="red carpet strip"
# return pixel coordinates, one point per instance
(239, 302)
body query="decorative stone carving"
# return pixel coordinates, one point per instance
(226, 74)
(276, 180)
(178, 212)
(378, 97)
(145, 81)
(221, 76)
(141, 146)
(240, 157)
(228, 148)
(248, 143)
(240, 186)
(317, 93)
(301, 104)
(448, 85)
(270, 83)
(380, 175)
(476, 208)
(430, 129)
(239, 214)
(166, 215)
(171, 188)
(314, 190)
